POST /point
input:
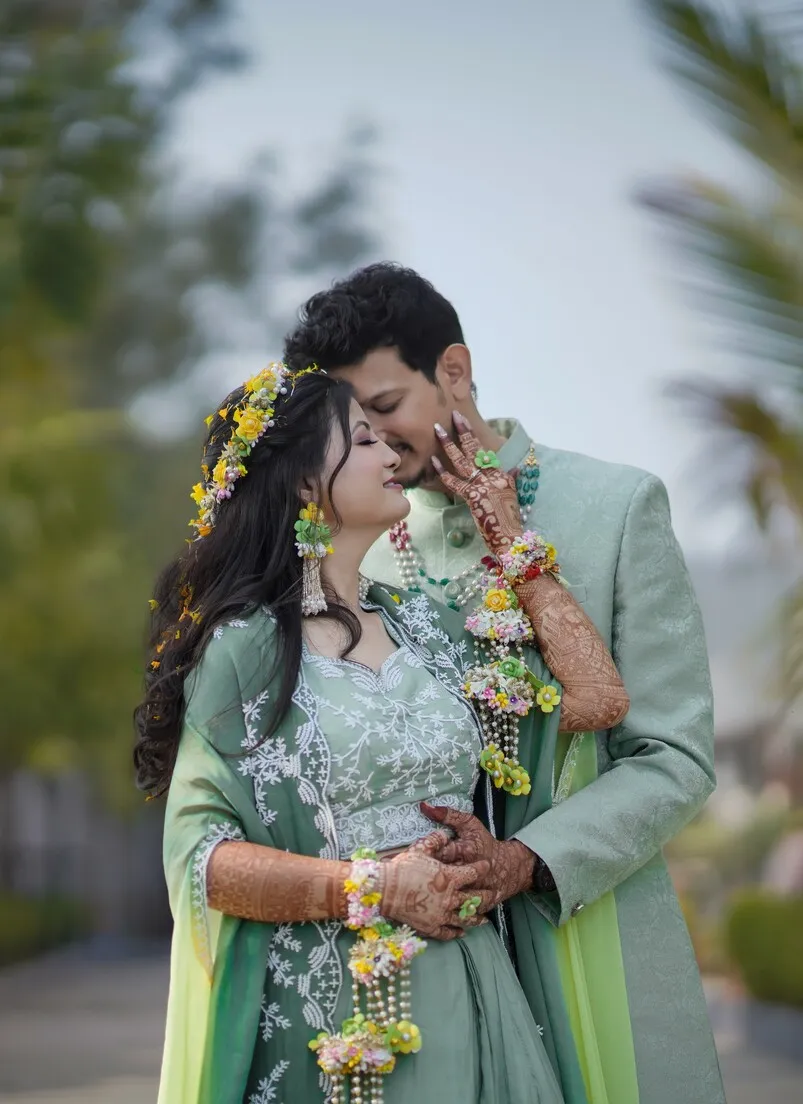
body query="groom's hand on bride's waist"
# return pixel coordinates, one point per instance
(513, 867)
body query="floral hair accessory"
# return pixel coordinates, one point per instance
(251, 418)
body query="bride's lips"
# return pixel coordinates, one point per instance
(392, 485)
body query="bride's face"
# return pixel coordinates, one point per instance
(365, 493)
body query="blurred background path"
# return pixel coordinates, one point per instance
(85, 1027)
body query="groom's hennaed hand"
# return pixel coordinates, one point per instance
(512, 865)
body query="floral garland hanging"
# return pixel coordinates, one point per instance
(502, 687)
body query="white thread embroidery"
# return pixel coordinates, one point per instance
(392, 733)
(272, 1019)
(200, 864)
(307, 763)
(267, 1088)
(564, 786)
(238, 623)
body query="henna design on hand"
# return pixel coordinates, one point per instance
(489, 493)
(262, 883)
(426, 894)
(510, 863)
(594, 696)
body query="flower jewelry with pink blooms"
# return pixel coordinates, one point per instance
(502, 687)
(527, 558)
(362, 889)
(364, 1051)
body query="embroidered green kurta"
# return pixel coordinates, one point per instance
(349, 765)
(651, 774)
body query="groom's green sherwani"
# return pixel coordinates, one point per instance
(611, 526)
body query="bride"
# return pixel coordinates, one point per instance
(298, 719)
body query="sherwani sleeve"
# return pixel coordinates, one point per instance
(661, 755)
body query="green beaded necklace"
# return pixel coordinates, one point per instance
(459, 590)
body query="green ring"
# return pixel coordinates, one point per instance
(486, 458)
(469, 907)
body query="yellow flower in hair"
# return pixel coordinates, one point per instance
(267, 378)
(551, 552)
(371, 934)
(219, 472)
(249, 423)
(496, 600)
(198, 493)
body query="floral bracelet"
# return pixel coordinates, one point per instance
(363, 894)
(358, 1057)
(528, 557)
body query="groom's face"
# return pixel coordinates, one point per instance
(402, 407)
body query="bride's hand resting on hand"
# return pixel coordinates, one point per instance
(420, 891)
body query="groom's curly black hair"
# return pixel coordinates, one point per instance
(380, 306)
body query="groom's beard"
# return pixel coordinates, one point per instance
(426, 474)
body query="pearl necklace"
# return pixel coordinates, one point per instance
(460, 589)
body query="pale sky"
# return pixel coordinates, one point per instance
(513, 136)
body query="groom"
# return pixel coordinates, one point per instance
(596, 854)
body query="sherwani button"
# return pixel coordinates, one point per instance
(456, 537)
(577, 908)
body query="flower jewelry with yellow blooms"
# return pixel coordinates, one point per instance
(250, 420)
(528, 557)
(502, 687)
(364, 1051)
(313, 542)
(548, 697)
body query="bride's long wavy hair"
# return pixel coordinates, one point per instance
(248, 560)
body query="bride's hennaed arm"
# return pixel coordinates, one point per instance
(254, 882)
(594, 696)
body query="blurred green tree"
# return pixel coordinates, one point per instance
(747, 262)
(116, 278)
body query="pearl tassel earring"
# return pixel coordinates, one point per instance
(313, 541)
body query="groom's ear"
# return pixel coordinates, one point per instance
(454, 365)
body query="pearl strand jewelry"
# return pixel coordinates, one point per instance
(459, 590)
